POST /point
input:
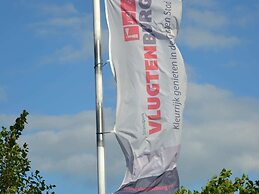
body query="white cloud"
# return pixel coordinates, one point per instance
(79, 51)
(207, 18)
(59, 10)
(69, 54)
(66, 144)
(201, 38)
(220, 131)
(69, 26)
(207, 26)
(64, 22)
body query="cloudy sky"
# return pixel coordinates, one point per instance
(46, 67)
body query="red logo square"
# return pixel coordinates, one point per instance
(131, 33)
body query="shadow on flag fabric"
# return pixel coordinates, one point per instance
(151, 91)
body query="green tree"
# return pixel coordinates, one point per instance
(15, 170)
(223, 184)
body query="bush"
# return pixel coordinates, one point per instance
(15, 174)
(222, 184)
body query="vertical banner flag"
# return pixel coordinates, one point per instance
(151, 91)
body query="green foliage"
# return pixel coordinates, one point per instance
(222, 184)
(15, 174)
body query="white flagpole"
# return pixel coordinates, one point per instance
(99, 98)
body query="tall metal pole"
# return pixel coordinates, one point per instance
(99, 98)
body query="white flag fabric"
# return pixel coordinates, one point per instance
(151, 91)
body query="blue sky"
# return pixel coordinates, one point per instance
(46, 67)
